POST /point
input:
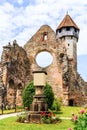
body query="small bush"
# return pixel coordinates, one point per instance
(80, 121)
(49, 118)
(20, 107)
(56, 105)
(28, 94)
(21, 117)
(48, 92)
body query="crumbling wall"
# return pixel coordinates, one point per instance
(16, 73)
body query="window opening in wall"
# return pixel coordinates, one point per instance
(11, 83)
(68, 29)
(59, 30)
(71, 37)
(45, 37)
(44, 59)
(68, 44)
(75, 30)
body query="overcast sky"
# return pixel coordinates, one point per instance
(20, 19)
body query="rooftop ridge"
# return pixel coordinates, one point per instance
(67, 22)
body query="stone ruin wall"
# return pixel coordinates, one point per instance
(35, 45)
(62, 73)
(16, 69)
(19, 64)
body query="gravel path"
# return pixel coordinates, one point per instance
(9, 115)
(15, 114)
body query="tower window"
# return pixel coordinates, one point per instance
(75, 30)
(45, 36)
(68, 29)
(59, 30)
(71, 37)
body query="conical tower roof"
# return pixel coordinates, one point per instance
(67, 22)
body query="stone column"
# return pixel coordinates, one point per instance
(39, 102)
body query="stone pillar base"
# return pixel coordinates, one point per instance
(35, 117)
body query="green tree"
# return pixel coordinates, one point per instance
(57, 104)
(29, 92)
(48, 92)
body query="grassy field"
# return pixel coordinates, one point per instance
(67, 111)
(11, 111)
(11, 124)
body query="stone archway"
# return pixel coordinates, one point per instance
(19, 94)
(10, 92)
(11, 83)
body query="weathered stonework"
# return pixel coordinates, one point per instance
(62, 73)
(18, 64)
(16, 72)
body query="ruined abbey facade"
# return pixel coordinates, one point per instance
(18, 63)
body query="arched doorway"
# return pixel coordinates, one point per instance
(71, 102)
(19, 94)
(11, 93)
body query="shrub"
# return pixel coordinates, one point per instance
(8, 107)
(21, 117)
(56, 105)
(20, 107)
(29, 92)
(49, 118)
(48, 92)
(80, 121)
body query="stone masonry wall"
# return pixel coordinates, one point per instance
(16, 73)
(19, 63)
(62, 73)
(37, 44)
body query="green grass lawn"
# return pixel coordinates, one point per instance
(67, 111)
(11, 124)
(11, 111)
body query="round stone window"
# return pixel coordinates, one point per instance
(44, 59)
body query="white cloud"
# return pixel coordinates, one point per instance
(23, 21)
(20, 19)
(20, 1)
